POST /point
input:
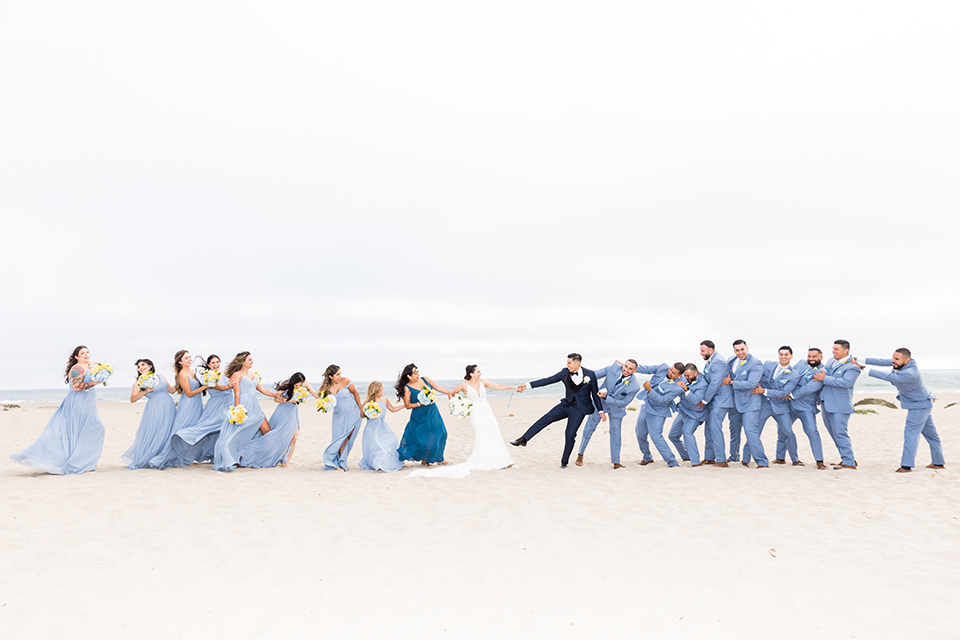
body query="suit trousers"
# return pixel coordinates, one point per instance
(752, 428)
(591, 426)
(688, 427)
(808, 419)
(560, 412)
(648, 424)
(836, 424)
(715, 427)
(676, 436)
(920, 423)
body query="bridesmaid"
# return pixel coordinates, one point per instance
(379, 442)
(73, 438)
(188, 409)
(346, 418)
(156, 423)
(425, 435)
(226, 453)
(195, 442)
(277, 445)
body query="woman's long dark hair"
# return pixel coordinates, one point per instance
(403, 379)
(71, 361)
(470, 369)
(153, 369)
(285, 388)
(177, 368)
(203, 366)
(328, 378)
(237, 363)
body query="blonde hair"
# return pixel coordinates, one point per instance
(237, 363)
(177, 368)
(373, 391)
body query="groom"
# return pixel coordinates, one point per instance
(580, 400)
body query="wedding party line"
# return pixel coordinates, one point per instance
(231, 430)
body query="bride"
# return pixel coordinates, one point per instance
(489, 449)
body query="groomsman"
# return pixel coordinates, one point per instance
(837, 400)
(803, 405)
(778, 382)
(718, 400)
(658, 405)
(918, 402)
(619, 388)
(745, 374)
(691, 412)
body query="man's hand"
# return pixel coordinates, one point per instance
(603, 417)
(602, 393)
(820, 375)
(682, 384)
(521, 388)
(700, 406)
(726, 381)
(759, 391)
(647, 385)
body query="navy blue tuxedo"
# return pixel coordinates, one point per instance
(578, 401)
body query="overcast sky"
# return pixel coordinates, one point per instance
(375, 183)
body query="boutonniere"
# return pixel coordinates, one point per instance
(695, 381)
(586, 379)
(626, 382)
(788, 370)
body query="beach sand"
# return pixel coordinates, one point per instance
(532, 551)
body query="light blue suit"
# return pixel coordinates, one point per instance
(744, 378)
(619, 395)
(658, 405)
(918, 402)
(689, 419)
(719, 404)
(773, 407)
(803, 407)
(836, 397)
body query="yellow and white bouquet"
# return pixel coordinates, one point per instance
(372, 410)
(101, 372)
(258, 376)
(326, 402)
(238, 413)
(148, 380)
(459, 406)
(210, 377)
(300, 394)
(426, 395)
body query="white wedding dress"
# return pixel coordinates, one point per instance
(489, 449)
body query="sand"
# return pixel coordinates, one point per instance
(532, 551)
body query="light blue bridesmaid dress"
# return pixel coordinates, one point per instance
(156, 427)
(73, 438)
(271, 448)
(425, 436)
(346, 428)
(226, 453)
(380, 445)
(195, 442)
(188, 412)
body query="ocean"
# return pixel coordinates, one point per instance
(937, 381)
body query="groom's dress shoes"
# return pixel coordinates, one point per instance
(519, 442)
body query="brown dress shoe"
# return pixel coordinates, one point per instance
(644, 463)
(935, 466)
(903, 470)
(779, 461)
(820, 465)
(618, 466)
(721, 464)
(579, 461)
(746, 464)
(798, 464)
(844, 466)
(708, 462)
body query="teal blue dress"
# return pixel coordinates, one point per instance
(425, 436)
(73, 438)
(156, 427)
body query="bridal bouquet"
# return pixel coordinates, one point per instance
(426, 395)
(372, 410)
(210, 377)
(101, 372)
(326, 402)
(300, 394)
(459, 406)
(238, 414)
(148, 380)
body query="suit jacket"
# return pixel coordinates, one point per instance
(619, 394)
(806, 395)
(911, 392)
(744, 381)
(837, 393)
(658, 373)
(778, 387)
(715, 370)
(689, 401)
(661, 398)
(584, 397)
